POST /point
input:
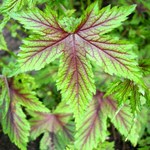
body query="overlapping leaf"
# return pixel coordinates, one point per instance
(57, 129)
(4, 100)
(145, 66)
(12, 5)
(124, 91)
(94, 125)
(77, 42)
(13, 119)
(16, 126)
(105, 146)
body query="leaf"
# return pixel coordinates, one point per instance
(75, 80)
(46, 75)
(4, 100)
(57, 129)
(40, 50)
(12, 5)
(105, 20)
(122, 120)
(121, 90)
(3, 22)
(14, 122)
(147, 96)
(3, 45)
(16, 126)
(24, 95)
(145, 66)
(77, 43)
(13, 119)
(124, 91)
(93, 128)
(105, 146)
(139, 126)
(144, 143)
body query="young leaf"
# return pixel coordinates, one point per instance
(126, 90)
(57, 129)
(77, 42)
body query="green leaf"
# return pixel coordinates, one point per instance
(77, 46)
(16, 93)
(75, 80)
(46, 75)
(57, 129)
(144, 143)
(13, 119)
(102, 21)
(24, 94)
(138, 127)
(93, 128)
(105, 146)
(124, 91)
(4, 99)
(16, 126)
(12, 5)
(3, 45)
(4, 22)
(145, 66)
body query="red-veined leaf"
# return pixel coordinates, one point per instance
(93, 127)
(24, 95)
(77, 42)
(13, 119)
(95, 21)
(57, 129)
(16, 126)
(124, 91)
(14, 122)
(75, 77)
(39, 50)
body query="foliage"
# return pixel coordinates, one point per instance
(74, 77)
